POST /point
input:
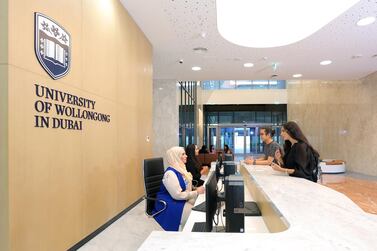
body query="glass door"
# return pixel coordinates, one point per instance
(212, 137)
(253, 141)
(243, 140)
(239, 142)
(227, 137)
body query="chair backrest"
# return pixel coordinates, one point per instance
(153, 174)
(211, 157)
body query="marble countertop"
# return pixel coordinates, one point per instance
(319, 218)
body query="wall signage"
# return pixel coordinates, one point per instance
(61, 110)
(52, 44)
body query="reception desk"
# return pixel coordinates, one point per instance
(299, 214)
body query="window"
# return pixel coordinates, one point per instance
(187, 113)
(242, 84)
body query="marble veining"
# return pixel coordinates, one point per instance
(339, 119)
(165, 116)
(320, 218)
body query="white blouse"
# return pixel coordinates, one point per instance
(171, 183)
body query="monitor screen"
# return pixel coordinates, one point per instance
(219, 164)
(211, 200)
(228, 157)
(229, 168)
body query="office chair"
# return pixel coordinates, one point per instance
(153, 173)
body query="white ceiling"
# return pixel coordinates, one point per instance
(174, 28)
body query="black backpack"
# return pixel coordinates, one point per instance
(313, 164)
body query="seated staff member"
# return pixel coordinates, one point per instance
(176, 191)
(296, 160)
(212, 149)
(193, 165)
(269, 148)
(227, 150)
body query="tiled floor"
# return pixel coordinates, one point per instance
(361, 189)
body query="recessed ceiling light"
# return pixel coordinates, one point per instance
(298, 75)
(325, 62)
(366, 21)
(280, 27)
(196, 68)
(248, 65)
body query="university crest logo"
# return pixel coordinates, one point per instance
(52, 45)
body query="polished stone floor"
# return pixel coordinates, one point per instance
(361, 189)
(126, 234)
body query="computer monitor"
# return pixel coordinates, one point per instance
(229, 168)
(211, 200)
(228, 157)
(219, 164)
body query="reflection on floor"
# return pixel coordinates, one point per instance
(361, 189)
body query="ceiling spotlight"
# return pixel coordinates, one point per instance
(203, 34)
(325, 62)
(297, 75)
(366, 21)
(248, 65)
(196, 68)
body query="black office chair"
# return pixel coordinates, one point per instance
(153, 173)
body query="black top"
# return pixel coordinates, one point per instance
(194, 168)
(297, 158)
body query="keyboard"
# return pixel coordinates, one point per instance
(199, 227)
(252, 209)
(201, 207)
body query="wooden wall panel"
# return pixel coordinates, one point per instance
(64, 184)
(67, 13)
(3, 32)
(4, 182)
(45, 167)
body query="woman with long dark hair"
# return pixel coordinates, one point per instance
(297, 158)
(227, 150)
(193, 165)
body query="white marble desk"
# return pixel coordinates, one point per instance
(318, 217)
